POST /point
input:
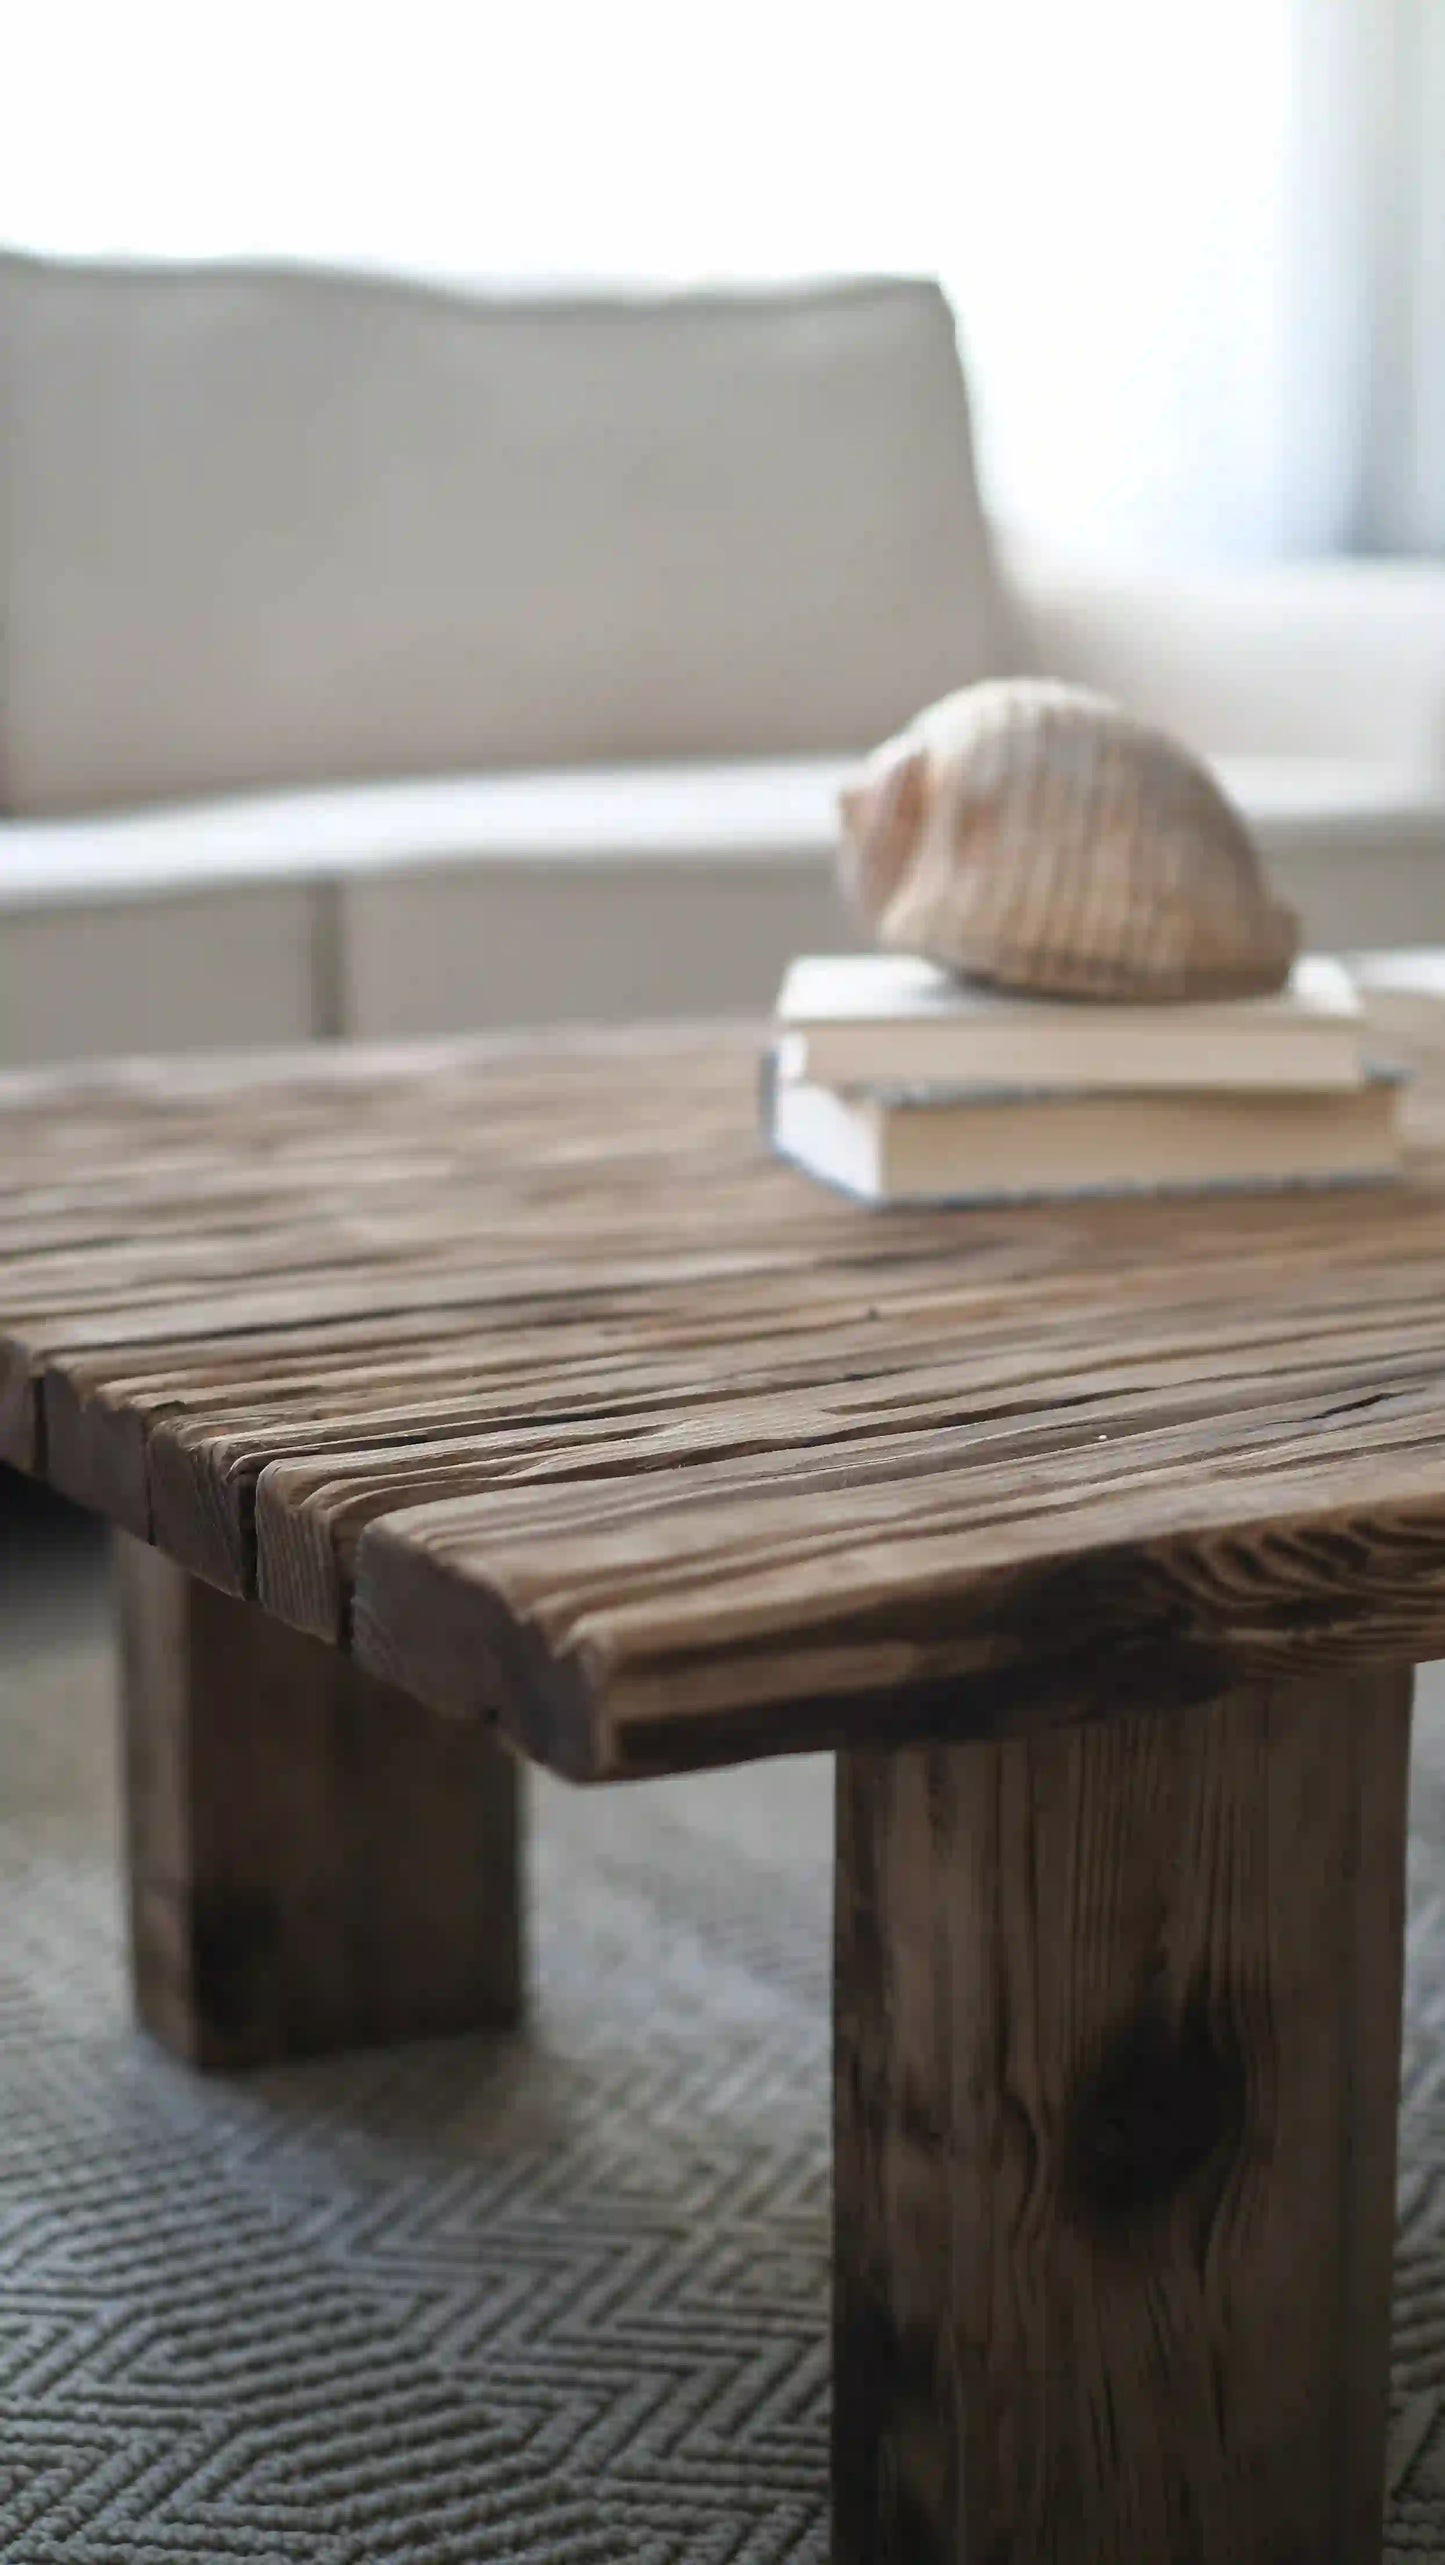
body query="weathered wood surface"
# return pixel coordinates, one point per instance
(315, 1861)
(1116, 2062)
(519, 1370)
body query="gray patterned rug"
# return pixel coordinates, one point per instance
(489, 2302)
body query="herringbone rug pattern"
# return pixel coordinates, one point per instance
(492, 2302)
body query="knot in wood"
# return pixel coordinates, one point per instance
(1166, 2100)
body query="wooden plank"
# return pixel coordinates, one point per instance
(520, 1368)
(219, 1502)
(98, 1417)
(315, 1862)
(688, 1624)
(1116, 2081)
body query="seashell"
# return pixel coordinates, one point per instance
(1038, 836)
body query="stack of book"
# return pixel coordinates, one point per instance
(900, 1083)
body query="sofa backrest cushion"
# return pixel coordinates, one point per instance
(265, 527)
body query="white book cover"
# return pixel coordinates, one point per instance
(992, 1147)
(853, 1020)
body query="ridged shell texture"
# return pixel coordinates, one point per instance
(1037, 836)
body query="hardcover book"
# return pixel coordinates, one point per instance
(985, 1145)
(871, 1019)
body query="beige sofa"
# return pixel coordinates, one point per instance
(384, 660)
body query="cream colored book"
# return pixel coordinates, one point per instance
(871, 1019)
(990, 1147)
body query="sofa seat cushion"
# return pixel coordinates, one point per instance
(1327, 805)
(477, 899)
(743, 812)
(1357, 846)
(463, 901)
(746, 811)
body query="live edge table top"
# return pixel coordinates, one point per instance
(518, 1369)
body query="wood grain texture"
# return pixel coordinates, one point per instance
(315, 1861)
(1116, 2077)
(518, 1370)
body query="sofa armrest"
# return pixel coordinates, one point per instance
(1344, 659)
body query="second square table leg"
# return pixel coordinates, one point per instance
(316, 1861)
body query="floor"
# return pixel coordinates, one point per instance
(561, 2296)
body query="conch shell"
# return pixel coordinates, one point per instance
(1038, 836)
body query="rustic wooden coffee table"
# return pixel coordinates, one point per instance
(526, 1399)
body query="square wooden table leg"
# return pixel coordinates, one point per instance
(1118, 2025)
(316, 1861)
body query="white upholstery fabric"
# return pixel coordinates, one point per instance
(179, 971)
(749, 811)
(278, 527)
(471, 900)
(456, 948)
(743, 812)
(1329, 659)
(1358, 846)
(732, 875)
